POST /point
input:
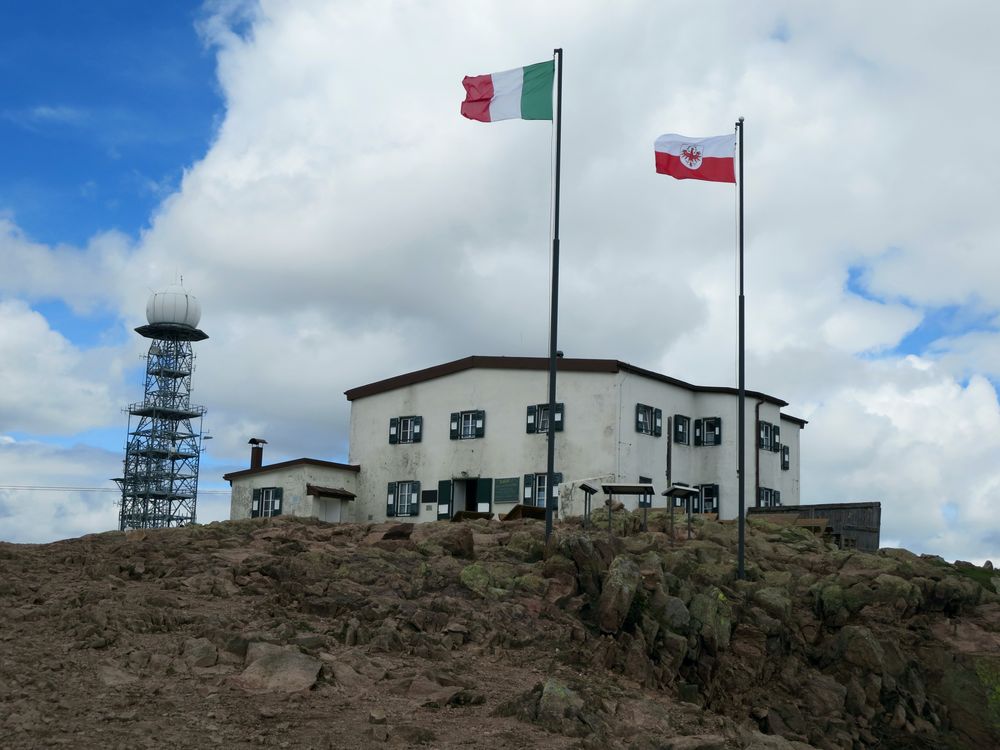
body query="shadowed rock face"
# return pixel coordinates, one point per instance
(481, 635)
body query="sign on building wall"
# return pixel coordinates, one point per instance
(506, 490)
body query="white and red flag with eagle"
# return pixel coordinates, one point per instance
(712, 159)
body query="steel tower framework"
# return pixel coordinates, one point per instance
(160, 478)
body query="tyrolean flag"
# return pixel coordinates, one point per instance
(684, 158)
(522, 93)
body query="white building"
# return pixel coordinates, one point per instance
(471, 435)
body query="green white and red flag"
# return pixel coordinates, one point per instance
(518, 94)
(684, 158)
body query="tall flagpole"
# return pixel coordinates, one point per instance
(741, 421)
(550, 466)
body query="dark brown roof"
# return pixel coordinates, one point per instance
(286, 464)
(338, 492)
(795, 420)
(537, 363)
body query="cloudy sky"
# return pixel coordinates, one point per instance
(304, 167)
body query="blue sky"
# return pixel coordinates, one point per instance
(103, 105)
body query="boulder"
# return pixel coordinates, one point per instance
(620, 584)
(281, 670)
(856, 645)
(711, 619)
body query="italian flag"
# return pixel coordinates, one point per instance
(684, 158)
(518, 94)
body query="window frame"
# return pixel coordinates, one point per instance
(682, 425)
(648, 420)
(266, 502)
(468, 424)
(708, 426)
(396, 490)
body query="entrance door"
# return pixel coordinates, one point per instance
(474, 495)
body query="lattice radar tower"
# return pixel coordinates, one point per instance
(160, 476)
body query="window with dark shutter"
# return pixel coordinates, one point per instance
(644, 419)
(557, 420)
(390, 502)
(415, 495)
(530, 425)
(418, 429)
(775, 438)
(785, 457)
(682, 427)
(708, 431)
(456, 417)
(393, 430)
(529, 489)
(255, 504)
(480, 423)
(657, 422)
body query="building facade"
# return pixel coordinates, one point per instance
(471, 435)
(303, 487)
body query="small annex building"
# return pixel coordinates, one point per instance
(471, 435)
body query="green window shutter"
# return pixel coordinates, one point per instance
(785, 457)
(718, 430)
(415, 506)
(554, 489)
(531, 419)
(679, 436)
(776, 438)
(697, 431)
(639, 426)
(390, 507)
(278, 491)
(393, 430)
(760, 435)
(557, 419)
(760, 496)
(777, 497)
(418, 429)
(444, 499)
(484, 491)
(529, 489)
(480, 423)
(657, 422)
(456, 418)
(255, 505)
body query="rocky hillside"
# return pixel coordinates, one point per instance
(299, 634)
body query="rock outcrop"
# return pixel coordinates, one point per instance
(298, 633)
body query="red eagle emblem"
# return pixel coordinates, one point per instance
(691, 156)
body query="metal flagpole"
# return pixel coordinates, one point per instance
(741, 421)
(550, 465)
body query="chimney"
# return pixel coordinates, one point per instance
(256, 452)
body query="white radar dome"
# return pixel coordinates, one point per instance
(173, 305)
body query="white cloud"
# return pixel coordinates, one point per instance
(346, 224)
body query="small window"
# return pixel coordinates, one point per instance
(266, 502)
(709, 498)
(682, 429)
(403, 499)
(537, 419)
(466, 425)
(405, 429)
(768, 498)
(708, 431)
(786, 457)
(648, 420)
(769, 438)
(534, 488)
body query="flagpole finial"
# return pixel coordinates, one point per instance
(740, 121)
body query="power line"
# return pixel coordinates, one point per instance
(46, 488)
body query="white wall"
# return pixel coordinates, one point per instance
(599, 442)
(293, 480)
(583, 449)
